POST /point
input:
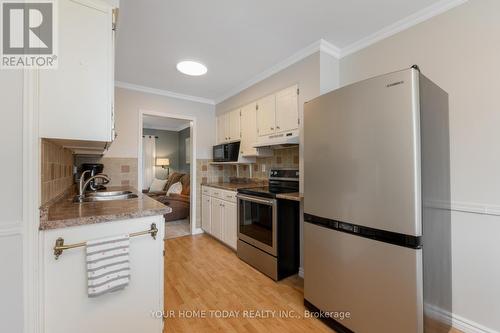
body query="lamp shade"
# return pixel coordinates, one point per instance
(162, 162)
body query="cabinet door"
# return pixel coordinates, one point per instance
(248, 130)
(75, 100)
(216, 218)
(221, 129)
(266, 109)
(234, 125)
(206, 217)
(287, 109)
(230, 232)
(65, 281)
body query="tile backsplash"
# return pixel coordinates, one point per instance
(121, 170)
(56, 170)
(282, 158)
(213, 173)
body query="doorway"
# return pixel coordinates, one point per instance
(167, 167)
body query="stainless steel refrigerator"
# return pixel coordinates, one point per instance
(377, 246)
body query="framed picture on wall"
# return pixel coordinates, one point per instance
(188, 150)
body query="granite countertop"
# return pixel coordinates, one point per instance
(233, 186)
(66, 213)
(296, 196)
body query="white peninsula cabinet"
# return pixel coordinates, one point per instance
(67, 306)
(219, 215)
(76, 99)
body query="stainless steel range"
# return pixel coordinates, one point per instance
(268, 227)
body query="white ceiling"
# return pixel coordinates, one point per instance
(239, 39)
(163, 123)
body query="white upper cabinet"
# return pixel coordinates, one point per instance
(272, 117)
(234, 125)
(266, 115)
(278, 112)
(221, 128)
(287, 109)
(228, 127)
(248, 130)
(76, 99)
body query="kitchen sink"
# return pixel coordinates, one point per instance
(106, 196)
(107, 193)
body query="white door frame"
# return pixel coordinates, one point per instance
(193, 188)
(33, 298)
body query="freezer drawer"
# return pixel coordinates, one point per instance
(379, 284)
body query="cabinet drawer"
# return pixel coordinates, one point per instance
(205, 190)
(228, 196)
(215, 192)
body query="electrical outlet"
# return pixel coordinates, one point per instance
(263, 168)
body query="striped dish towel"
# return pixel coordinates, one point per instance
(107, 265)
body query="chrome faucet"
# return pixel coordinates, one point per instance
(83, 185)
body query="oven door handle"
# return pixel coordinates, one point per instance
(270, 202)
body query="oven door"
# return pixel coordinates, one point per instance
(257, 222)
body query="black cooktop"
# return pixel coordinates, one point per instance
(266, 191)
(280, 181)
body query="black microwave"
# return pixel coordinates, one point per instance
(226, 152)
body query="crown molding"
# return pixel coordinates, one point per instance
(320, 45)
(403, 24)
(329, 48)
(167, 93)
(168, 128)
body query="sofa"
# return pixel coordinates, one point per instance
(180, 203)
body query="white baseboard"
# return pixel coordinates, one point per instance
(198, 231)
(301, 272)
(458, 322)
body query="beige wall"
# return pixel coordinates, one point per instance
(460, 51)
(123, 151)
(127, 106)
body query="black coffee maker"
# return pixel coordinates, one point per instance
(95, 169)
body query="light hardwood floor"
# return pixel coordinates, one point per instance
(202, 275)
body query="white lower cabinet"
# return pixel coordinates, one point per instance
(67, 307)
(206, 208)
(216, 218)
(230, 232)
(219, 215)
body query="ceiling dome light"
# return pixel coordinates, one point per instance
(192, 68)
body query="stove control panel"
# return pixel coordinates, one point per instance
(291, 174)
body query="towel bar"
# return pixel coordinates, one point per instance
(60, 247)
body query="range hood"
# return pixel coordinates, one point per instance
(277, 141)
